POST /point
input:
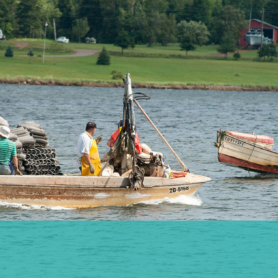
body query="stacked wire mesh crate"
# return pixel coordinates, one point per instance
(35, 156)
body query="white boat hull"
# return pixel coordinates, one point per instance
(85, 192)
(237, 152)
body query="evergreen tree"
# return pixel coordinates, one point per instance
(69, 10)
(92, 10)
(9, 52)
(122, 40)
(227, 44)
(103, 58)
(153, 28)
(29, 19)
(186, 44)
(271, 17)
(168, 29)
(8, 17)
(198, 10)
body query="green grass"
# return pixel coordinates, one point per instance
(173, 49)
(51, 48)
(144, 70)
(252, 54)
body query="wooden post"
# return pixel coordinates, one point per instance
(54, 25)
(161, 136)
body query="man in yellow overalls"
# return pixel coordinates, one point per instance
(88, 152)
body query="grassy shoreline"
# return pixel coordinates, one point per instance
(146, 72)
(81, 83)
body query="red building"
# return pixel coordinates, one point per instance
(269, 30)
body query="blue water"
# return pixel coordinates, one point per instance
(138, 249)
(189, 121)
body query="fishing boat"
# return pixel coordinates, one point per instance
(247, 151)
(146, 179)
(254, 37)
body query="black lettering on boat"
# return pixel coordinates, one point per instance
(179, 189)
(240, 143)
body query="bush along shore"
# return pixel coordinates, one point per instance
(206, 87)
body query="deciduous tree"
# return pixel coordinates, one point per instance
(168, 29)
(267, 50)
(227, 44)
(196, 30)
(81, 28)
(123, 40)
(186, 43)
(228, 19)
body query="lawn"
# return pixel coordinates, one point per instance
(252, 54)
(173, 49)
(144, 70)
(37, 46)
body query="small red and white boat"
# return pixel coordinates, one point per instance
(247, 151)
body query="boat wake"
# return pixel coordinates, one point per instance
(182, 199)
(30, 207)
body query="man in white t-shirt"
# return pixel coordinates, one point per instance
(84, 145)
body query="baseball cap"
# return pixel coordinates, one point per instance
(91, 125)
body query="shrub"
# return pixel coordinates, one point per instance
(104, 58)
(263, 51)
(30, 53)
(9, 52)
(236, 56)
(116, 75)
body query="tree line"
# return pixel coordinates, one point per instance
(141, 21)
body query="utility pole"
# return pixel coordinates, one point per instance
(46, 24)
(250, 18)
(262, 29)
(54, 25)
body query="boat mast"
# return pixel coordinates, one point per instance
(128, 123)
(128, 103)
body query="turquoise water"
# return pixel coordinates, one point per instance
(138, 249)
(189, 121)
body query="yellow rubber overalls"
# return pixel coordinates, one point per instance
(94, 157)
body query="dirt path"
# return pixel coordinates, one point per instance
(78, 53)
(19, 44)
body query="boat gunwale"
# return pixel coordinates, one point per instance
(253, 145)
(182, 183)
